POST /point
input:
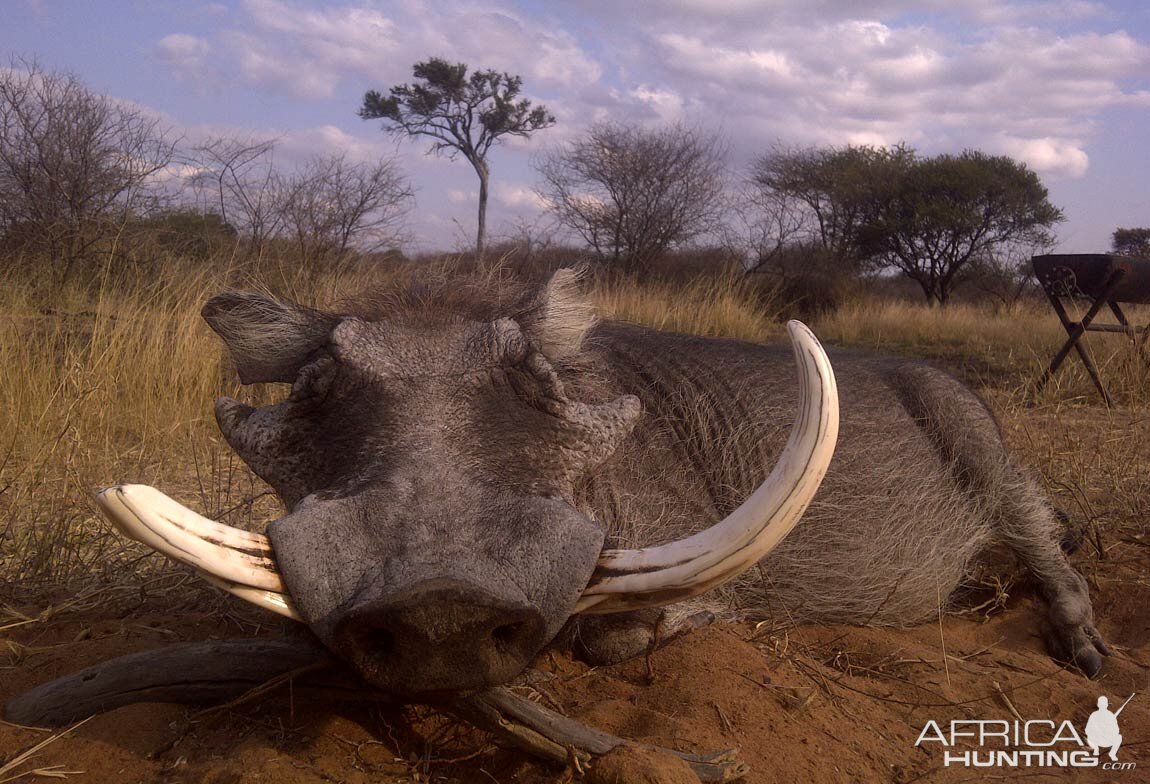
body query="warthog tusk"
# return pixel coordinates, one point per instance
(277, 602)
(237, 561)
(656, 576)
(243, 563)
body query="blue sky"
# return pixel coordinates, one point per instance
(1061, 84)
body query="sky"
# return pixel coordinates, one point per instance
(1063, 85)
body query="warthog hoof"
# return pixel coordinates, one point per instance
(1080, 645)
(1070, 633)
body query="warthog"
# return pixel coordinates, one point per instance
(472, 471)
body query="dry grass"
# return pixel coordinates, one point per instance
(93, 385)
(110, 382)
(721, 306)
(970, 330)
(995, 348)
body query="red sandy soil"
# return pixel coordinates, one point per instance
(817, 704)
(806, 703)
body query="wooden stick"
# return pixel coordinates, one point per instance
(190, 673)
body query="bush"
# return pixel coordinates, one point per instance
(809, 279)
(186, 232)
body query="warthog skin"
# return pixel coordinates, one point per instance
(453, 458)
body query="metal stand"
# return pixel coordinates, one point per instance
(1055, 290)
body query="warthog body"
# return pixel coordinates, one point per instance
(919, 487)
(454, 461)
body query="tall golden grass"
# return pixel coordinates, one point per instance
(722, 306)
(110, 380)
(994, 347)
(113, 382)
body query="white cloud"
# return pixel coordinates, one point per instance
(192, 59)
(183, 51)
(667, 104)
(517, 196)
(306, 52)
(1058, 158)
(1029, 91)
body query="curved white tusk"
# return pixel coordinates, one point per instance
(278, 603)
(238, 557)
(657, 576)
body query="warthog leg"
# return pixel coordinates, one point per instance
(602, 640)
(205, 672)
(1018, 511)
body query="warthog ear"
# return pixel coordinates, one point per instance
(561, 316)
(269, 339)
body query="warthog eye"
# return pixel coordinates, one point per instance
(313, 382)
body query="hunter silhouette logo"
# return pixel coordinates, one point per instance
(1030, 743)
(1102, 728)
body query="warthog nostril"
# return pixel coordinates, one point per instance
(380, 642)
(508, 634)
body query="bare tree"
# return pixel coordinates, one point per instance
(1003, 272)
(74, 164)
(332, 205)
(763, 224)
(326, 207)
(631, 193)
(241, 176)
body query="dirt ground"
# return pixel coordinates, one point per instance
(802, 703)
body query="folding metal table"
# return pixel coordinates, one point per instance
(1102, 280)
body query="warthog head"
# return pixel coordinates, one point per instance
(427, 461)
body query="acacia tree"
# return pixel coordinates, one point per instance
(933, 216)
(1131, 242)
(465, 115)
(632, 193)
(836, 188)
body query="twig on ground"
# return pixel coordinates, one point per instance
(1013, 711)
(23, 757)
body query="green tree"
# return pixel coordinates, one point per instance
(837, 189)
(933, 216)
(465, 115)
(1131, 242)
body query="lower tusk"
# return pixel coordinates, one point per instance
(658, 576)
(230, 555)
(269, 600)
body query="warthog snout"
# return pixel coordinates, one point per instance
(441, 636)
